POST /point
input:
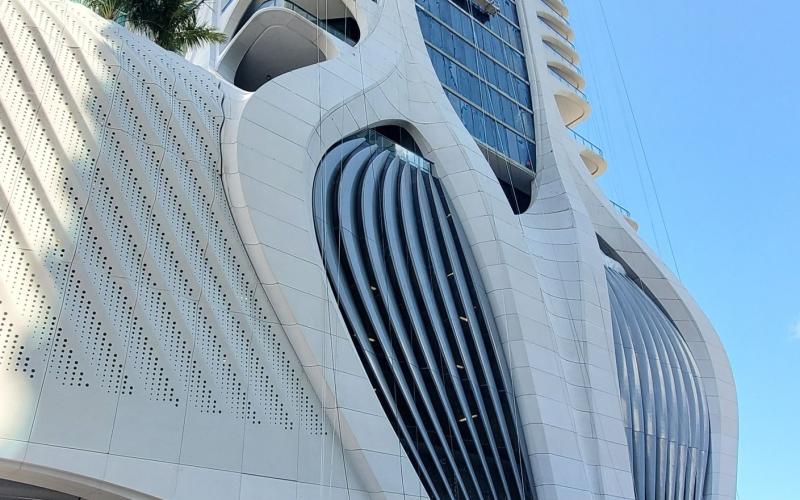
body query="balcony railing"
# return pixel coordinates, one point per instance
(288, 4)
(399, 151)
(563, 58)
(322, 23)
(568, 83)
(624, 211)
(554, 11)
(586, 142)
(558, 33)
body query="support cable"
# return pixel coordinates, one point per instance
(639, 138)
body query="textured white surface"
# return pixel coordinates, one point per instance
(161, 273)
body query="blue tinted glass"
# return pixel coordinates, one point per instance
(479, 60)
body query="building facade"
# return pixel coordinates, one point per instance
(356, 251)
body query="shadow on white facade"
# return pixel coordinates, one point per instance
(174, 322)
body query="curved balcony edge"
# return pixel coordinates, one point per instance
(566, 51)
(270, 27)
(591, 155)
(558, 8)
(567, 72)
(557, 5)
(557, 24)
(572, 102)
(626, 214)
(595, 163)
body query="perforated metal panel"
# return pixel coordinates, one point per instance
(123, 273)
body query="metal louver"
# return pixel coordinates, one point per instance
(415, 305)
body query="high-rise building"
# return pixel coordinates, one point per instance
(356, 251)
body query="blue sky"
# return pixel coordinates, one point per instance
(715, 86)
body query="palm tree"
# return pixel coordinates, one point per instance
(171, 24)
(113, 10)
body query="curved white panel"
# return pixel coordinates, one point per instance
(168, 328)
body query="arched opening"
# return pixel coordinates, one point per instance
(412, 296)
(12, 490)
(273, 37)
(516, 180)
(278, 49)
(33, 482)
(519, 199)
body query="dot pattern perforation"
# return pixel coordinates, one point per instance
(122, 270)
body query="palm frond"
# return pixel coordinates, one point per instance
(112, 10)
(195, 36)
(171, 23)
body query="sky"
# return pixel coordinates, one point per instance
(715, 88)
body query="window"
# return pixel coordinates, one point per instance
(479, 60)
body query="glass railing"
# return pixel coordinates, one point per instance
(558, 33)
(405, 154)
(287, 4)
(624, 211)
(563, 58)
(586, 142)
(322, 23)
(568, 83)
(554, 11)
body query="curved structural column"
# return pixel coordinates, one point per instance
(666, 413)
(419, 316)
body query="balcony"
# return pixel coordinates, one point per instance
(591, 155)
(558, 8)
(626, 214)
(551, 31)
(572, 102)
(560, 45)
(273, 37)
(562, 52)
(564, 67)
(568, 73)
(556, 25)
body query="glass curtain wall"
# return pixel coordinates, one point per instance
(480, 61)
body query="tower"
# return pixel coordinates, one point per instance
(358, 252)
